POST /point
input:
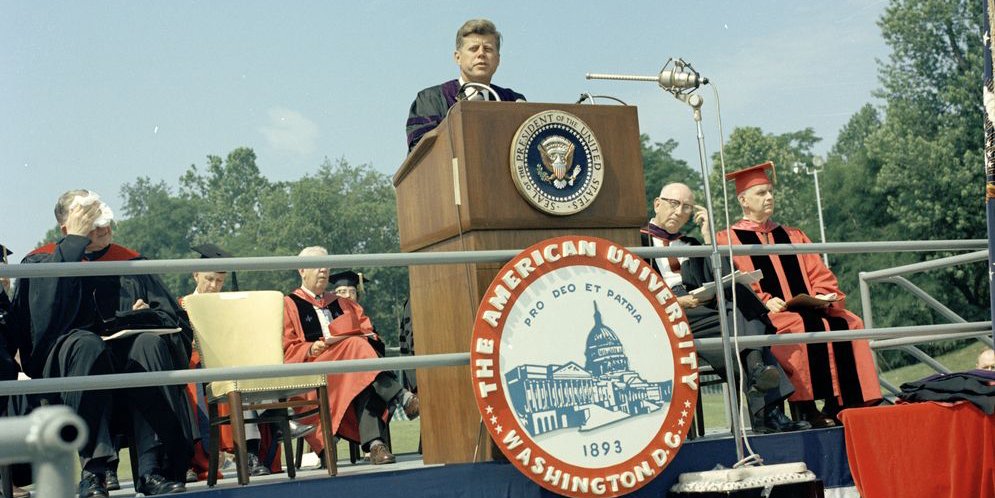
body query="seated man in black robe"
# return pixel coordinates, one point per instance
(766, 385)
(17, 405)
(8, 367)
(478, 53)
(61, 321)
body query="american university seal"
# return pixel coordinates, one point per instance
(583, 367)
(556, 163)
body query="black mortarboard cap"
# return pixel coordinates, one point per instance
(4, 252)
(213, 251)
(210, 251)
(347, 278)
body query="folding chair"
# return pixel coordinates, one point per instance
(235, 329)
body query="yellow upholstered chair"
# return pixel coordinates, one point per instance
(237, 329)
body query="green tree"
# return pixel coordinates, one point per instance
(154, 224)
(930, 144)
(227, 196)
(348, 209)
(660, 167)
(790, 152)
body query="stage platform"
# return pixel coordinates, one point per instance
(822, 450)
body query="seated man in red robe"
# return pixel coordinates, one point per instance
(841, 373)
(320, 326)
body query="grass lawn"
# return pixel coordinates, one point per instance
(962, 359)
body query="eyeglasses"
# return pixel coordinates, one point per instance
(676, 204)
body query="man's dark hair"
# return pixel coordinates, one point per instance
(478, 27)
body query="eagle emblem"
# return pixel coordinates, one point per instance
(557, 154)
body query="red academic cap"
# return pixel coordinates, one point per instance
(754, 175)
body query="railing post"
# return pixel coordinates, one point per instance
(865, 301)
(49, 438)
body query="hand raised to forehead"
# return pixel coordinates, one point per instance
(701, 215)
(81, 218)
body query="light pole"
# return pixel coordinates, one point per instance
(817, 163)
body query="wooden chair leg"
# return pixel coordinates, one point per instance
(326, 432)
(354, 453)
(299, 453)
(699, 415)
(238, 436)
(213, 445)
(287, 446)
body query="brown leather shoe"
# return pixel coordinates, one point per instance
(380, 455)
(411, 408)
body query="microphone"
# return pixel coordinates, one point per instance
(668, 79)
(681, 77)
(478, 92)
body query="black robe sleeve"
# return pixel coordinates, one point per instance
(696, 272)
(427, 111)
(56, 300)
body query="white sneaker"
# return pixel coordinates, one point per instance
(310, 460)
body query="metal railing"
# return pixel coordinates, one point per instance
(271, 263)
(898, 336)
(908, 345)
(49, 438)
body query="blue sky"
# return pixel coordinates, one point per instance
(96, 94)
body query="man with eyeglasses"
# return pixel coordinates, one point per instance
(766, 386)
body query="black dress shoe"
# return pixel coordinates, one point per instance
(155, 484)
(110, 477)
(91, 486)
(774, 420)
(256, 468)
(298, 431)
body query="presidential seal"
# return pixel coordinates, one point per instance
(556, 163)
(583, 367)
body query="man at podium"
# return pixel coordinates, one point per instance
(478, 53)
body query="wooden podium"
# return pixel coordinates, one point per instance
(472, 204)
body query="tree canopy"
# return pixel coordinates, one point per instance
(347, 209)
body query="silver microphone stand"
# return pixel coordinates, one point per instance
(681, 82)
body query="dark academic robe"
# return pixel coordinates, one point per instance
(59, 314)
(432, 104)
(750, 316)
(8, 367)
(843, 370)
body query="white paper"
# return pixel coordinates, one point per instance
(707, 292)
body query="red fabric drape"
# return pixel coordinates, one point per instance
(921, 450)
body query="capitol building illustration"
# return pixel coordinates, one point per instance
(602, 391)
